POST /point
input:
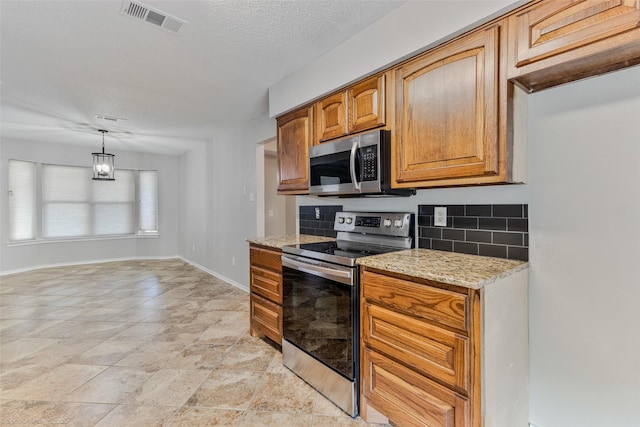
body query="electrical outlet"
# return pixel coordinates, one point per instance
(233, 261)
(440, 217)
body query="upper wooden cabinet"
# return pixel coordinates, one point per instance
(366, 102)
(331, 117)
(554, 42)
(457, 112)
(295, 135)
(358, 108)
(448, 114)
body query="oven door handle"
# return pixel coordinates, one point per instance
(352, 164)
(342, 276)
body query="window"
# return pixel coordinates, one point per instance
(74, 205)
(22, 200)
(148, 208)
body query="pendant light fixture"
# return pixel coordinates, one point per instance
(103, 163)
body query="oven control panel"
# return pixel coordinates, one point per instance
(379, 223)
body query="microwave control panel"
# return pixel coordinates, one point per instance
(369, 156)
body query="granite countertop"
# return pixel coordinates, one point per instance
(470, 271)
(277, 242)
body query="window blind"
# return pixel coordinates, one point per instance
(22, 200)
(148, 209)
(73, 205)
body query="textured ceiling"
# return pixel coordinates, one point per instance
(63, 62)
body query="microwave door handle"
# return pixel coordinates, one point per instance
(354, 178)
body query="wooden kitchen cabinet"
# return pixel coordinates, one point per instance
(434, 354)
(366, 102)
(451, 114)
(266, 293)
(558, 41)
(295, 136)
(358, 108)
(331, 117)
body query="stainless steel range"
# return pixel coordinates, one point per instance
(321, 319)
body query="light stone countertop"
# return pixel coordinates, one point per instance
(277, 242)
(469, 271)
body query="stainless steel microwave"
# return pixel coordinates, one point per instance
(354, 166)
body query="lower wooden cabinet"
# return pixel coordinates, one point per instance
(265, 284)
(434, 354)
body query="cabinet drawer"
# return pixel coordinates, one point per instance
(407, 398)
(266, 258)
(428, 349)
(267, 284)
(266, 318)
(437, 305)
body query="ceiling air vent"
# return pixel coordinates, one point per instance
(151, 16)
(108, 118)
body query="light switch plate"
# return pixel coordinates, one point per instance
(440, 217)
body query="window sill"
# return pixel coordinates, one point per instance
(83, 239)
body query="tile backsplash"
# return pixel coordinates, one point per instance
(491, 230)
(322, 226)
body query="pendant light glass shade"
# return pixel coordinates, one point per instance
(103, 166)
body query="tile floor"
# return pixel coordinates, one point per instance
(142, 343)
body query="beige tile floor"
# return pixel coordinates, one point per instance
(142, 343)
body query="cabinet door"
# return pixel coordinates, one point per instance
(266, 318)
(447, 112)
(294, 138)
(408, 398)
(431, 351)
(564, 40)
(366, 104)
(331, 117)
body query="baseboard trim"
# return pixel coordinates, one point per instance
(102, 261)
(95, 261)
(214, 274)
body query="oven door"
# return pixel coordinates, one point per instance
(320, 312)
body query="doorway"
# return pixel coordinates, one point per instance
(276, 213)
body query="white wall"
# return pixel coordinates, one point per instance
(583, 161)
(584, 207)
(217, 201)
(26, 256)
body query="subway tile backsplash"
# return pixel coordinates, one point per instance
(322, 226)
(491, 230)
